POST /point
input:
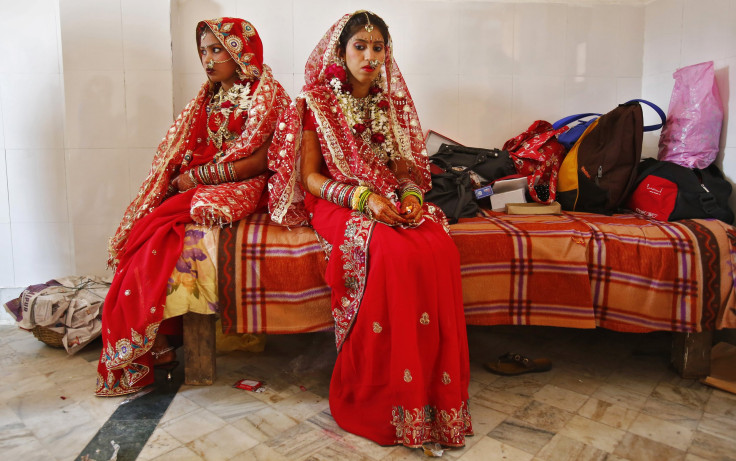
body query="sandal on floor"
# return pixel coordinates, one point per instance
(511, 364)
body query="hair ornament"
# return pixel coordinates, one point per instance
(368, 26)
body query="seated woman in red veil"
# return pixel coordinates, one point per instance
(349, 159)
(210, 168)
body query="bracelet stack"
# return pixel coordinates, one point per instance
(345, 195)
(338, 193)
(213, 173)
(409, 187)
(360, 198)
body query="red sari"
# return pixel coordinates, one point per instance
(150, 238)
(402, 370)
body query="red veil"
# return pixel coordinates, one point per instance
(227, 202)
(348, 158)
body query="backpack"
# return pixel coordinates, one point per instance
(599, 171)
(667, 191)
(453, 168)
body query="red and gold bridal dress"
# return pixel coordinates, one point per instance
(402, 371)
(217, 126)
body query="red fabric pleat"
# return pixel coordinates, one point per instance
(406, 354)
(134, 306)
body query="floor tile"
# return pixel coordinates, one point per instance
(620, 396)
(721, 426)
(712, 447)
(608, 413)
(562, 448)
(593, 433)
(223, 443)
(560, 398)
(687, 392)
(629, 406)
(160, 442)
(521, 435)
(488, 449)
(635, 447)
(179, 454)
(662, 431)
(673, 412)
(193, 425)
(543, 416)
(300, 441)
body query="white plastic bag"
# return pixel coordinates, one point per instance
(694, 119)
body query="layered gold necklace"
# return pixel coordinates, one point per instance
(236, 101)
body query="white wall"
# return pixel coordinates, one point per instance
(35, 232)
(480, 71)
(88, 89)
(85, 96)
(118, 104)
(680, 33)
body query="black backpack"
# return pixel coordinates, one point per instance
(452, 188)
(667, 191)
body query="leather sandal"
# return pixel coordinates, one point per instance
(511, 364)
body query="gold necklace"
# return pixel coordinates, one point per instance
(239, 100)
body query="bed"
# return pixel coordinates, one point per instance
(576, 270)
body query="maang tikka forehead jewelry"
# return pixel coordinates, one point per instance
(369, 26)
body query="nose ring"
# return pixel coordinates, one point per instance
(374, 63)
(211, 64)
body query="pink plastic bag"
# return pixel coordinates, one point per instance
(693, 130)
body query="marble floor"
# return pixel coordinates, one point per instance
(609, 396)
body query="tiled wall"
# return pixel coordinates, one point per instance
(85, 96)
(480, 71)
(118, 101)
(88, 87)
(680, 33)
(35, 231)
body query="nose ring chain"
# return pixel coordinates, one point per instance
(211, 63)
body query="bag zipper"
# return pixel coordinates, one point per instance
(600, 175)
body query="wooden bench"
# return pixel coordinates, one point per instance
(573, 270)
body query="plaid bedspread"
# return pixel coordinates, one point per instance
(580, 270)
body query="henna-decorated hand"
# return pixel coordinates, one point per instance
(183, 182)
(411, 209)
(384, 211)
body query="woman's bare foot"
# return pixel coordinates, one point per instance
(162, 352)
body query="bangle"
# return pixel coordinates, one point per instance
(408, 187)
(193, 177)
(338, 193)
(363, 201)
(354, 200)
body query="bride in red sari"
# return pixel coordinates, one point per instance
(210, 168)
(349, 159)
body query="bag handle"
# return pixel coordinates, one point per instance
(571, 118)
(659, 112)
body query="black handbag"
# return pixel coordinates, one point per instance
(452, 188)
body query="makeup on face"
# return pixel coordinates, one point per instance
(364, 55)
(217, 62)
